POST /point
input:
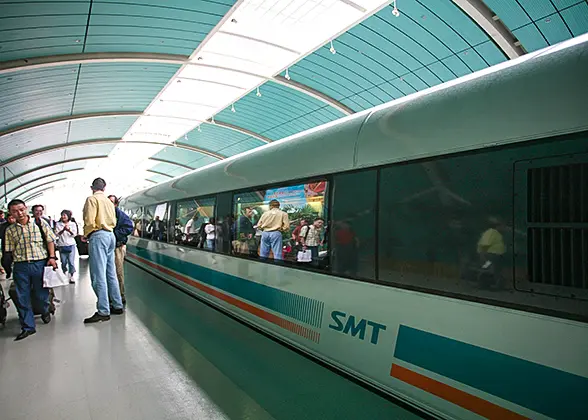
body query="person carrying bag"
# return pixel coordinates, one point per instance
(66, 243)
(32, 245)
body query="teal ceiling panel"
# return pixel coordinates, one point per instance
(51, 171)
(530, 37)
(242, 146)
(168, 168)
(538, 24)
(441, 71)
(213, 138)
(423, 47)
(96, 128)
(31, 28)
(91, 150)
(278, 106)
(112, 87)
(537, 9)
(175, 27)
(554, 29)
(203, 161)
(301, 123)
(577, 18)
(158, 178)
(23, 142)
(510, 12)
(23, 186)
(36, 161)
(490, 52)
(183, 156)
(36, 95)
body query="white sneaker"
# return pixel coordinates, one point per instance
(71, 278)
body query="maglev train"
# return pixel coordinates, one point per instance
(450, 237)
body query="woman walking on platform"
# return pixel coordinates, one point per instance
(66, 243)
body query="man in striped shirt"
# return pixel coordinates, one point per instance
(33, 247)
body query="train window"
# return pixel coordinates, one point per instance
(136, 216)
(490, 226)
(295, 231)
(445, 225)
(194, 223)
(353, 238)
(155, 222)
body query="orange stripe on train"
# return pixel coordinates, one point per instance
(463, 399)
(284, 323)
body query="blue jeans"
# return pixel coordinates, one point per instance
(210, 244)
(27, 277)
(68, 262)
(103, 271)
(271, 240)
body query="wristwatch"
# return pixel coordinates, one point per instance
(53, 258)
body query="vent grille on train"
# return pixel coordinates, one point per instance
(558, 225)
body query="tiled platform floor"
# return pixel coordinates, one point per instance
(168, 357)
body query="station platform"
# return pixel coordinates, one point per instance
(168, 357)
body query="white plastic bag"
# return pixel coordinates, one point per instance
(304, 256)
(54, 278)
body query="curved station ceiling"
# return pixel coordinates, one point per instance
(139, 91)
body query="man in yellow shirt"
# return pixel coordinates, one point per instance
(272, 223)
(491, 248)
(99, 223)
(32, 245)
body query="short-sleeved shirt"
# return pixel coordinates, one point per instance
(99, 213)
(492, 242)
(274, 220)
(26, 242)
(312, 236)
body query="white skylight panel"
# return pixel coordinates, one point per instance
(220, 75)
(201, 92)
(181, 109)
(159, 129)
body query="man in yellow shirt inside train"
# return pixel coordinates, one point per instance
(272, 223)
(99, 223)
(491, 248)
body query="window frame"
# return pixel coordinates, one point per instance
(176, 202)
(327, 215)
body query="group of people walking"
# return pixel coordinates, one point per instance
(29, 244)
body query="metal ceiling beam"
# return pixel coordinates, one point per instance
(42, 185)
(313, 93)
(63, 162)
(90, 58)
(171, 162)
(38, 179)
(486, 19)
(159, 173)
(91, 142)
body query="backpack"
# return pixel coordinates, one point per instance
(124, 227)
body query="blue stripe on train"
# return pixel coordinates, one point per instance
(301, 308)
(540, 388)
